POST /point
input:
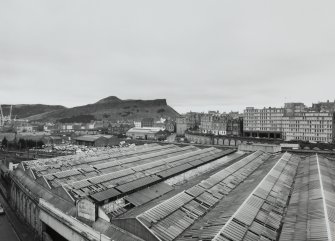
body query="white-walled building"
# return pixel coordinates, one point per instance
(289, 124)
(309, 126)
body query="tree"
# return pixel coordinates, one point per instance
(40, 143)
(4, 142)
(22, 143)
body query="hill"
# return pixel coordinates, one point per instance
(113, 108)
(24, 111)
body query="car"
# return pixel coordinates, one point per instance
(2, 211)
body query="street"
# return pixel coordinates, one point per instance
(6, 231)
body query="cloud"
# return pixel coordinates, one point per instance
(201, 55)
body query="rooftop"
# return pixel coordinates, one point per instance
(151, 130)
(91, 138)
(186, 193)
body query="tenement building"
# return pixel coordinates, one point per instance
(188, 121)
(214, 124)
(293, 122)
(324, 106)
(221, 124)
(181, 125)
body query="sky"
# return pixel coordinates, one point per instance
(199, 55)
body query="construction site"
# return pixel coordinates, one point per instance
(167, 192)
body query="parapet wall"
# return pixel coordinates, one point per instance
(259, 147)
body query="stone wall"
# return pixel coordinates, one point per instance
(26, 208)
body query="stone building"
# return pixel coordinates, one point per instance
(235, 126)
(119, 128)
(145, 133)
(193, 119)
(96, 140)
(170, 126)
(214, 124)
(181, 125)
(324, 106)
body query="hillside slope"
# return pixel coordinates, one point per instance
(24, 111)
(114, 108)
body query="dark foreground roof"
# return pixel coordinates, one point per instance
(187, 194)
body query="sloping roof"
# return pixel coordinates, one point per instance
(106, 194)
(115, 233)
(53, 137)
(39, 191)
(89, 138)
(28, 136)
(149, 130)
(148, 194)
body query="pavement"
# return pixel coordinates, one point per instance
(11, 227)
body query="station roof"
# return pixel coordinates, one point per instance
(111, 175)
(260, 197)
(187, 193)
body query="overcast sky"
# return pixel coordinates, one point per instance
(199, 55)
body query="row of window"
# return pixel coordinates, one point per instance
(321, 139)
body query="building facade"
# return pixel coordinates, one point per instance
(293, 122)
(190, 120)
(181, 125)
(324, 106)
(119, 128)
(170, 126)
(235, 126)
(96, 140)
(145, 133)
(214, 124)
(137, 124)
(266, 122)
(193, 119)
(309, 126)
(147, 122)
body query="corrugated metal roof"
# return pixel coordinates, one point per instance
(145, 130)
(148, 194)
(106, 194)
(164, 163)
(38, 191)
(170, 218)
(263, 210)
(211, 222)
(88, 138)
(311, 205)
(174, 170)
(130, 186)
